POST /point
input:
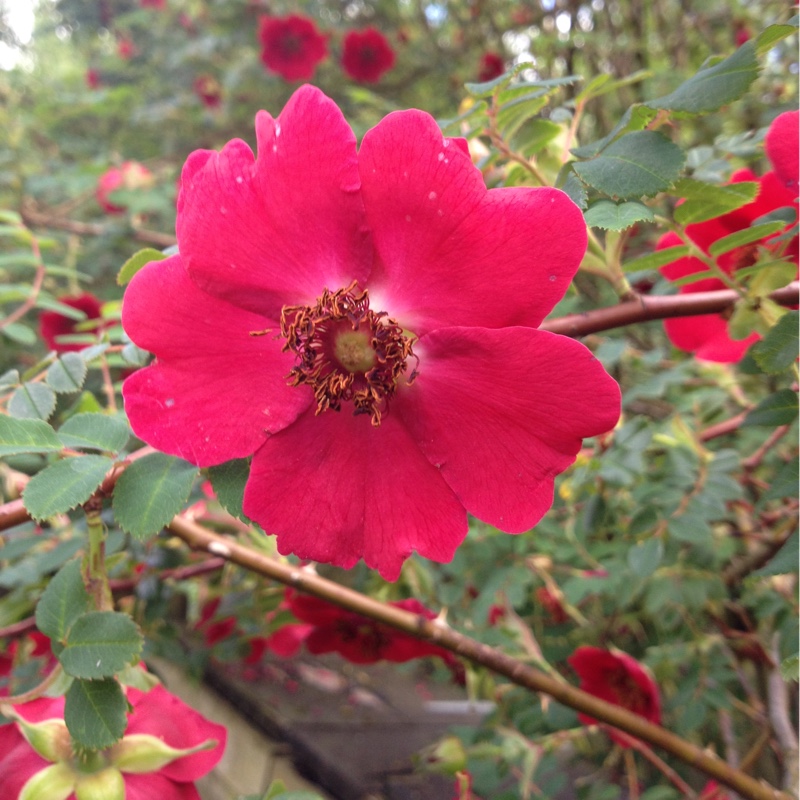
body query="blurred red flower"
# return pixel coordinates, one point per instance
(129, 175)
(707, 335)
(447, 415)
(53, 325)
(33, 645)
(160, 4)
(619, 679)
(291, 46)
(367, 55)
(326, 628)
(208, 89)
(713, 791)
(126, 49)
(492, 66)
(156, 713)
(93, 80)
(552, 605)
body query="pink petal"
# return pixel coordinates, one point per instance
(335, 489)
(155, 786)
(501, 412)
(215, 391)
(288, 640)
(161, 714)
(449, 252)
(707, 337)
(18, 761)
(277, 230)
(781, 143)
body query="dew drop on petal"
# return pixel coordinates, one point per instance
(169, 402)
(441, 156)
(552, 278)
(239, 179)
(432, 196)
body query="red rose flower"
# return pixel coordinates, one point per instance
(209, 91)
(617, 678)
(327, 628)
(405, 237)
(126, 49)
(291, 46)
(160, 729)
(713, 791)
(160, 4)
(53, 325)
(492, 66)
(781, 145)
(129, 175)
(367, 55)
(707, 335)
(214, 630)
(93, 80)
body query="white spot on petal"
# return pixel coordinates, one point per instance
(440, 156)
(552, 278)
(432, 196)
(169, 402)
(239, 179)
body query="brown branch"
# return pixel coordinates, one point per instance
(39, 219)
(646, 308)
(519, 673)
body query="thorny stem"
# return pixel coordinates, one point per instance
(95, 575)
(517, 672)
(633, 779)
(35, 693)
(645, 308)
(35, 288)
(663, 767)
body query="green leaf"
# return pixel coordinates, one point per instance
(715, 86)
(535, 135)
(32, 401)
(26, 436)
(100, 644)
(19, 333)
(617, 217)
(708, 200)
(62, 602)
(575, 190)
(8, 379)
(771, 35)
(96, 713)
(228, 482)
(789, 668)
(777, 409)
(67, 373)
(644, 558)
(95, 432)
(785, 483)
(150, 492)
(64, 485)
(657, 259)
(602, 84)
(637, 164)
(135, 355)
(784, 561)
(778, 350)
(136, 262)
(634, 119)
(741, 238)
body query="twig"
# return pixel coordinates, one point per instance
(36, 287)
(519, 673)
(646, 308)
(778, 709)
(36, 692)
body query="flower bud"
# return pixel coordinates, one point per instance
(55, 782)
(141, 752)
(107, 784)
(446, 756)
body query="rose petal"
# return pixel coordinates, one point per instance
(335, 489)
(449, 252)
(215, 391)
(278, 230)
(156, 786)
(501, 412)
(781, 145)
(161, 714)
(18, 761)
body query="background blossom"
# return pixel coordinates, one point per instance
(129, 175)
(367, 55)
(291, 46)
(617, 678)
(53, 325)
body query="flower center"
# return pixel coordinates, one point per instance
(346, 351)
